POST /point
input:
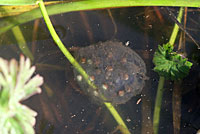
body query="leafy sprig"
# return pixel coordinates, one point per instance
(17, 85)
(170, 64)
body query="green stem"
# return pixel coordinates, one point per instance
(21, 42)
(117, 117)
(90, 5)
(157, 107)
(176, 28)
(156, 116)
(124, 3)
(17, 2)
(61, 45)
(77, 66)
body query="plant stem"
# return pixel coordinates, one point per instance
(176, 27)
(157, 108)
(61, 45)
(84, 5)
(22, 42)
(121, 3)
(77, 66)
(17, 2)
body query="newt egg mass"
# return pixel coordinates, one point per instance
(116, 70)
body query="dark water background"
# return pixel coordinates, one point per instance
(64, 109)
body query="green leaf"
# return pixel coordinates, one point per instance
(169, 64)
(17, 2)
(14, 126)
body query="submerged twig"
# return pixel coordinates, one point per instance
(176, 106)
(181, 27)
(113, 21)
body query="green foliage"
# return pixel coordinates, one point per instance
(17, 85)
(169, 64)
(17, 2)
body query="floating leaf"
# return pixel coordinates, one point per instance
(170, 64)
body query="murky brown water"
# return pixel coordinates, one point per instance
(64, 108)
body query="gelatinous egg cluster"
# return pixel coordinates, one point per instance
(116, 70)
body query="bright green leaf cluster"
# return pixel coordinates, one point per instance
(16, 85)
(169, 64)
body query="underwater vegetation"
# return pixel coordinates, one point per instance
(109, 72)
(169, 64)
(16, 85)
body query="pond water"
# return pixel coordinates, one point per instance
(63, 107)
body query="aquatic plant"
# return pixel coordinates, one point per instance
(16, 85)
(170, 64)
(78, 67)
(66, 7)
(164, 54)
